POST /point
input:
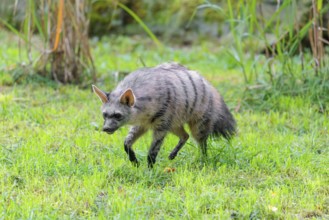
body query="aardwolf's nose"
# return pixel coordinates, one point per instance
(106, 129)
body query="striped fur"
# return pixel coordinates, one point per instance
(163, 99)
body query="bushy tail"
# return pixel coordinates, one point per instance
(225, 124)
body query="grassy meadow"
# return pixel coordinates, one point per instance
(55, 163)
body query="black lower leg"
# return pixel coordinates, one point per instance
(150, 161)
(134, 134)
(154, 149)
(179, 146)
(183, 137)
(131, 154)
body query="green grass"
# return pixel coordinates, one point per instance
(55, 163)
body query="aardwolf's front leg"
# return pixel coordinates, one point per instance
(158, 137)
(134, 133)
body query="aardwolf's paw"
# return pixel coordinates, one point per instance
(172, 155)
(135, 163)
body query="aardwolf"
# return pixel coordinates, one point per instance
(163, 99)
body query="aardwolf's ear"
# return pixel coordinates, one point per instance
(102, 95)
(128, 98)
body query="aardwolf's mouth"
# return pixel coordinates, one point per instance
(109, 130)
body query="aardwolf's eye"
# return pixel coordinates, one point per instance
(105, 115)
(117, 116)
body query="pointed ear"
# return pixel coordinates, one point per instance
(128, 98)
(102, 95)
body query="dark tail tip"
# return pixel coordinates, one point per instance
(225, 125)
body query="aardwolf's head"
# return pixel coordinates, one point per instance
(116, 108)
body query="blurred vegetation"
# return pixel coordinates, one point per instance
(188, 20)
(54, 37)
(278, 46)
(167, 19)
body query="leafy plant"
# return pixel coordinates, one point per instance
(141, 23)
(287, 69)
(54, 36)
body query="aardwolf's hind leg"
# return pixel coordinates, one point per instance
(183, 137)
